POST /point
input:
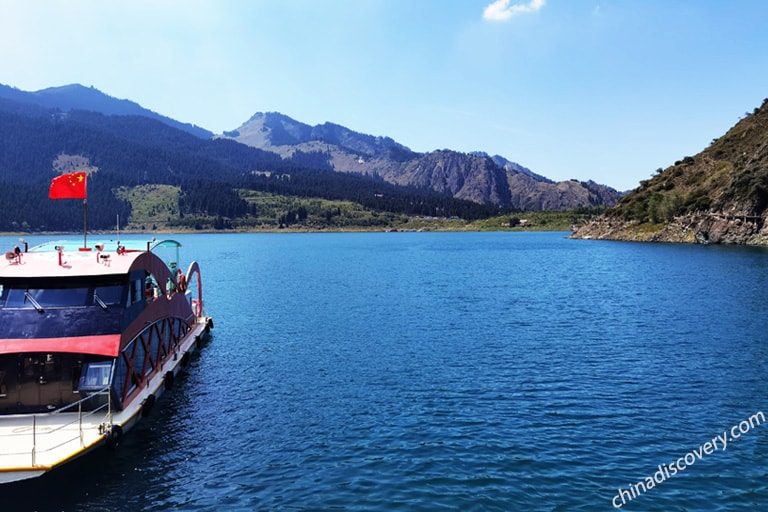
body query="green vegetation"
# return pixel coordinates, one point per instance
(152, 206)
(156, 208)
(284, 212)
(731, 174)
(539, 220)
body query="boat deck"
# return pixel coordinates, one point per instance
(33, 444)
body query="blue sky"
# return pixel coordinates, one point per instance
(602, 90)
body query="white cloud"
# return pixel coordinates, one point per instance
(500, 10)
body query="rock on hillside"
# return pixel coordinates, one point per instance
(514, 167)
(464, 176)
(717, 196)
(279, 133)
(531, 194)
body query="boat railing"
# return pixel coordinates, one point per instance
(47, 436)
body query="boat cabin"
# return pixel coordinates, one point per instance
(100, 332)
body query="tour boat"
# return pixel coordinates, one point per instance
(90, 337)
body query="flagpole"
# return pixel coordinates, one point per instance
(85, 223)
(85, 214)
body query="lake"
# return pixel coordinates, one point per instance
(453, 371)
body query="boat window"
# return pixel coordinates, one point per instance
(137, 291)
(151, 288)
(138, 357)
(47, 297)
(95, 375)
(110, 295)
(28, 295)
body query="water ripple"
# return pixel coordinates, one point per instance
(485, 371)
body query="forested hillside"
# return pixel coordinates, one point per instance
(213, 177)
(719, 195)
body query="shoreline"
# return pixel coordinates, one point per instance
(280, 231)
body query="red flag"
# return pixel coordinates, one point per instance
(68, 186)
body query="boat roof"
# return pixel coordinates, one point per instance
(67, 258)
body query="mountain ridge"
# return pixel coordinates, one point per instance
(180, 181)
(473, 176)
(78, 97)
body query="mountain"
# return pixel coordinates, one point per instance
(77, 97)
(474, 177)
(182, 181)
(719, 195)
(277, 131)
(126, 147)
(117, 151)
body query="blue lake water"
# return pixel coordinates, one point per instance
(451, 371)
